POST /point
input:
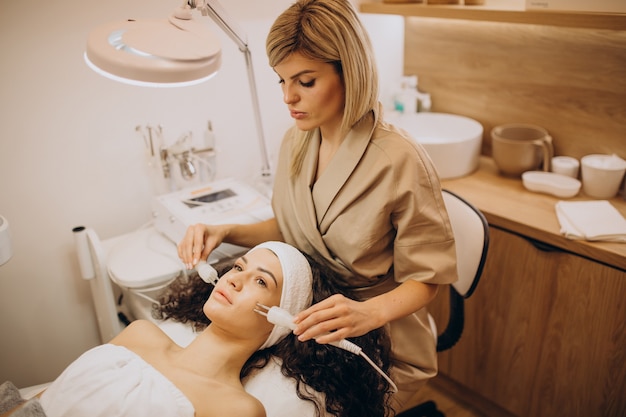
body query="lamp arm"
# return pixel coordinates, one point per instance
(265, 163)
(213, 9)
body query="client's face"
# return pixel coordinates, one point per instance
(255, 278)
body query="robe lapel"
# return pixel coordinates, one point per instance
(304, 209)
(340, 167)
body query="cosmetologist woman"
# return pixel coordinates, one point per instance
(352, 191)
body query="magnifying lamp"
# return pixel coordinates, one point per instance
(173, 52)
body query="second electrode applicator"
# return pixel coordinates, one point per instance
(281, 317)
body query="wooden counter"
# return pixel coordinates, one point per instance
(544, 330)
(507, 204)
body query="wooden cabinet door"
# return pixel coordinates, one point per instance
(545, 332)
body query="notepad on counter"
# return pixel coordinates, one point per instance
(591, 220)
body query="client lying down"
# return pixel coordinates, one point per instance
(142, 372)
(328, 380)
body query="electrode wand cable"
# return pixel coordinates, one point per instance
(281, 317)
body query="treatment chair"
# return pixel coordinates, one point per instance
(471, 235)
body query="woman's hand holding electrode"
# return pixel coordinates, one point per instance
(338, 317)
(199, 242)
(202, 239)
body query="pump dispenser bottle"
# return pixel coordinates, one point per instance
(405, 101)
(409, 99)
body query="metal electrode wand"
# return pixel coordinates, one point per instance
(207, 273)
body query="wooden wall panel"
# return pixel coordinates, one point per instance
(569, 81)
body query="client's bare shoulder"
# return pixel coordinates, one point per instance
(142, 334)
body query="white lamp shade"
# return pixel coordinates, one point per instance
(154, 52)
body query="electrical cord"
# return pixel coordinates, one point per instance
(281, 317)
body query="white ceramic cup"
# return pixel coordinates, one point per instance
(602, 175)
(565, 165)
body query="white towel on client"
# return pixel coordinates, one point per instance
(110, 380)
(591, 220)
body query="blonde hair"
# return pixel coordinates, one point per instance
(328, 31)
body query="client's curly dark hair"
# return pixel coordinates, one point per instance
(349, 386)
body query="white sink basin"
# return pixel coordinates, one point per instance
(453, 142)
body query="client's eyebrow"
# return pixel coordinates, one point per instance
(270, 274)
(266, 271)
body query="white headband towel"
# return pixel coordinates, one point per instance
(297, 293)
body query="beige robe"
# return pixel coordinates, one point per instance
(377, 216)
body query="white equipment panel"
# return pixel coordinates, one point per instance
(218, 202)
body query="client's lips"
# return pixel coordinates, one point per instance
(224, 295)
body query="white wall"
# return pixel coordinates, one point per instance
(69, 155)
